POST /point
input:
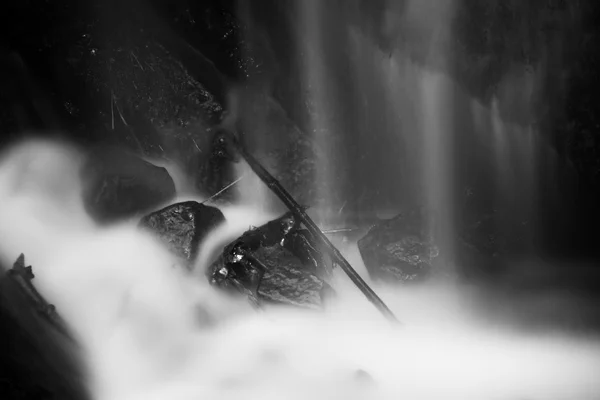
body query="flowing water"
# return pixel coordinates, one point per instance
(148, 331)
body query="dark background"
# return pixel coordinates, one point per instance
(168, 66)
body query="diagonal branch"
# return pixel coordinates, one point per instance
(222, 190)
(300, 214)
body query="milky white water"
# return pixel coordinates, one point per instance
(149, 332)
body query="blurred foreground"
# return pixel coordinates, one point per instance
(150, 331)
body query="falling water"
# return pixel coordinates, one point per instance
(383, 122)
(316, 78)
(437, 177)
(398, 131)
(148, 331)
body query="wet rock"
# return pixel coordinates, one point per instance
(482, 236)
(39, 361)
(275, 263)
(183, 226)
(23, 276)
(285, 280)
(119, 185)
(399, 248)
(487, 242)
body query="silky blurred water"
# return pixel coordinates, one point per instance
(391, 132)
(149, 331)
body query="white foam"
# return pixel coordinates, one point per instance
(137, 319)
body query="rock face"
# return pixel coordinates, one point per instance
(38, 360)
(118, 185)
(488, 240)
(23, 276)
(285, 280)
(183, 226)
(275, 263)
(399, 249)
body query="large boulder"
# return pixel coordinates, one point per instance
(276, 263)
(399, 249)
(119, 185)
(286, 279)
(183, 226)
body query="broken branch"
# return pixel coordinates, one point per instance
(224, 189)
(301, 215)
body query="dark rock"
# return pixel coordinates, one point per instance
(488, 240)
(285, 231)
(183, 226)
(119, 184)
(29, 104)
(212, 27)
(286, 279)
(275, 263)
(23, 276)
(38, 361)
(399, 248)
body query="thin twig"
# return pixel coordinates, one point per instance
(112, 110)
(136, 59)
(339, 230)
(119, 111)
(342, 207)
(137, 141)
(196, 144)
(224, 189)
